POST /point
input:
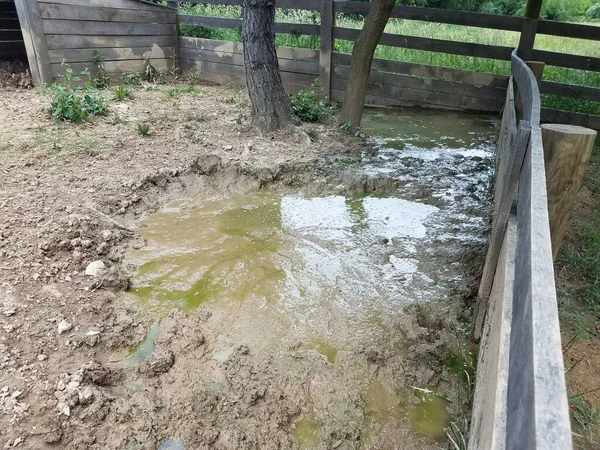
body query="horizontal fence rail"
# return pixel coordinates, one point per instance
(12, 45)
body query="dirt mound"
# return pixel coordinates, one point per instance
(15, 74)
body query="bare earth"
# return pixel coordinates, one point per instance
(68, 193)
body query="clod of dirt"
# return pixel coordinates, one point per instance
(160, 361)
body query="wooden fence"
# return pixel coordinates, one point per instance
(397, 83)
(12, 45)
(520, 395)
(124, 32)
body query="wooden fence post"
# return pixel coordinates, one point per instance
(35, 41)
(529, 29)
(567, 149)
(327, 24)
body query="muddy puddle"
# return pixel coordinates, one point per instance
(316, 280)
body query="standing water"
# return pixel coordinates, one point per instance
(317, 279)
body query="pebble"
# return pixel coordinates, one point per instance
(106, 235)
(42, 357)
(63, 326)
(95, 268)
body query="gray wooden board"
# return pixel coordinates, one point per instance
(570, 90)
(566, 60)
(314, 5)
(572, 118)
(61, 42)
(127, 66)
(396, 96)
(62, 12)
(289, 65)
(423, 70)
(428, 84)
(528, 89)
(431, 45)
(573, 30)
(220, 22)
(122, 4)
(110, 54)
(472, 19)
(80, 27)
(35, 41)
(301, 54)
(325, 58)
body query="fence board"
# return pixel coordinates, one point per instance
(60, 42)
(110, 54)
(570, 90)
(565, 60)
(83, 28)
(60, 12)
(220, 22)
(471, 19)
(310, 5)
(120, 4)
(432, 45)
(114, 67)
(572, 118)
(573, 30)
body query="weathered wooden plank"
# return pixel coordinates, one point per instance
(288, 65)
(14, 49)
(570, 90)
(559, 116)
(127, 66)
(220, 22)
(472, 19)
(11, 35)
(325, 56)
(391, 95)
(110, 54)
(528, 90)
(506, 186)
(301, 54)
(35, 41)
(7, 23)
(60, 42)
(62, 12)
(432, 45)
(426, 71)
(429, 84)
(565, 60)
(572, 30)
(80, 27)
(121, 4)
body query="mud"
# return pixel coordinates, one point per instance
(110, 382)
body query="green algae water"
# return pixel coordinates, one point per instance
(311, 276)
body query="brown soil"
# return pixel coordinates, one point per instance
(68, 196)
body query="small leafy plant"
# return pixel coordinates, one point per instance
(152, 74)
(346, 127)
(73, 102)
(143, 129)
(309, 107)
(131, 79)
(121, 93)
(101, 81)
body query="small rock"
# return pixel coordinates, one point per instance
(17, 441)
(228, 147)
(106, 235)
(63, 326)
(86, 243)
(95, 268)
(42, 357)
(103, 248)
(10, 312)
(64, 409)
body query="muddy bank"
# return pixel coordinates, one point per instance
(73, 195)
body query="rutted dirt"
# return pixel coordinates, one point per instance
(70, 195)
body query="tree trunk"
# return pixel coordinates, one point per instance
(271, 106)
(362, 58)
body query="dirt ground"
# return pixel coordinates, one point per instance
(70, 195)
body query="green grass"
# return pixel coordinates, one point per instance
(173, 92)
(429, 30)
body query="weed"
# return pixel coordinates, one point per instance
(309, 107)
(132, 79)
(90, 147)
(73, 102)
(143, 129)
(151, 73)
(458, 434)
(346, 127)
(184, 90)
(584, 414)
(121, 93)
(101, 81)
(197, 117)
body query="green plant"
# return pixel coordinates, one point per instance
(151, 73)
(143, 129)
(132, 79)
(122, 93)
(101, 81)
(346, 127)
(184, 90)
(197, 117)
(73, 102)
(309, 107)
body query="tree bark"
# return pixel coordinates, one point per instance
(362, 58)
(271, 105)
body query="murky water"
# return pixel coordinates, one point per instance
(295, 270)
